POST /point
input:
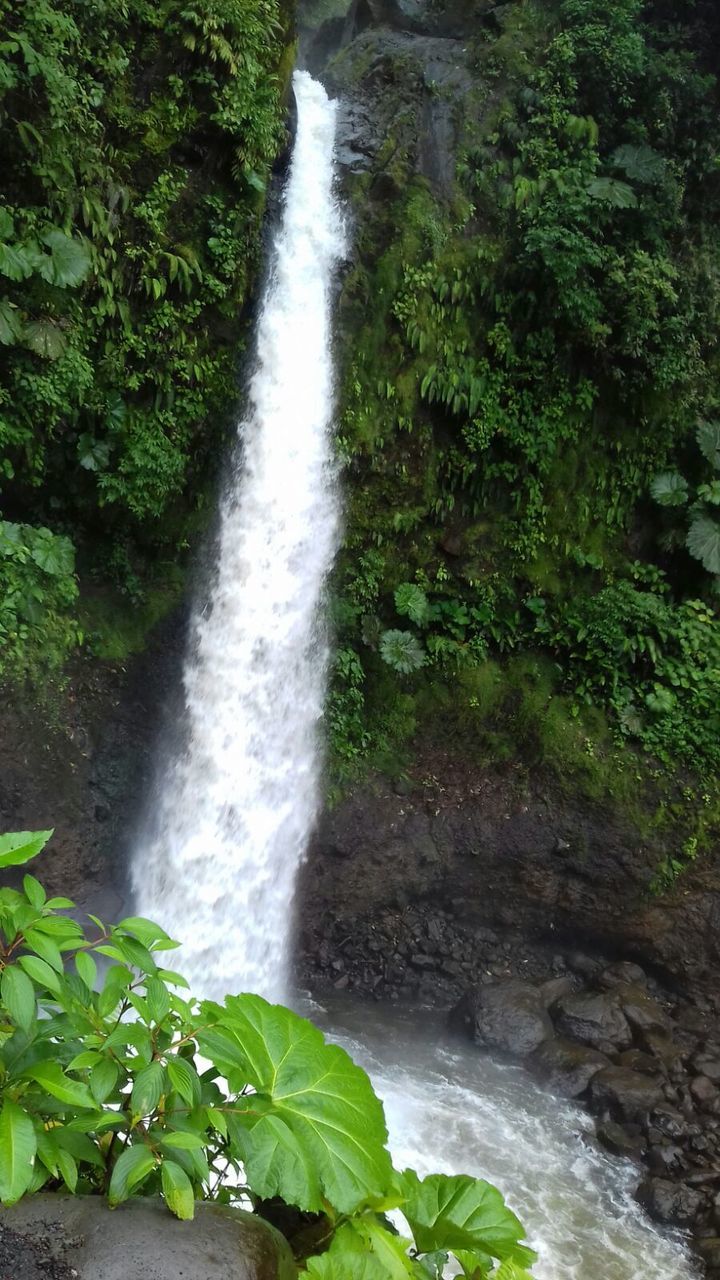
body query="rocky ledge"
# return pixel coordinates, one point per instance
(647, 1067)
(58, 1237)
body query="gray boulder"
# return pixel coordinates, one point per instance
(623, 971)
(566, 1068)
(595, 1020)
(506, 1017)
(627, 1095)
(642, 1012)
(671, 1202)
(140, 1240)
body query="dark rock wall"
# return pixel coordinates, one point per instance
(84, 765)
(475, 870)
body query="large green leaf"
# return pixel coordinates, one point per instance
(18, 996)
(703, 542)
(17, 1152)
(412, 603)
(459, 1212)
(641, 164)
(16, 261)
(402, 651)
(10, 323)
(610, 191)
(20, 846)
(670, 489)
(348, 1258)
(708, 438)
(69, 261)
(51, 1077)
(316, 1127)
(45, 338)
(177, 1189)
(147, 1089)
(131, 1169)
(390, 1250)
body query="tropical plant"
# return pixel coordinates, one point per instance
(115, 1081)
(671, 489)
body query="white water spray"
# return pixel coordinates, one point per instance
(236, 809)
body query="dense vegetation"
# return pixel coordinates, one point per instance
(531, 412)
(136, 145)
(113, 1081)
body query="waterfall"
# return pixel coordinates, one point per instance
(235, 809)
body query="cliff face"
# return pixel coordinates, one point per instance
(488, 849)
(457, 871)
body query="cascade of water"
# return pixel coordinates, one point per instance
(236, 808)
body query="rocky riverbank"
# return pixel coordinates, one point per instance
(648, 1067)
(529, 914)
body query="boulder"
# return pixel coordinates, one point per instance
(670, 1202)
(628, 1095)
(618, 1141)
(636, 1060)
(141, 1240)
(666, 1157)
(705, 1094)
(621, 973)
(507, 1017)
(566, 1068)
(555, 988)
(642, 1012)
(595, 1020)
(705, 1065)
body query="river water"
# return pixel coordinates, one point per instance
(233, 812)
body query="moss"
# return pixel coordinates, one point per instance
(115, 626)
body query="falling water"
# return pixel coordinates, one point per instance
(236, 808)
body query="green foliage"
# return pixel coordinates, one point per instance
(532, 354)
(654, 664)
(38, 592)
(671, 489)
(136, 144)
(115, 1083)
(401, 651)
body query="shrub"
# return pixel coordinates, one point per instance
(115, 1081)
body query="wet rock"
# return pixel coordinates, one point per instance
(642, 1012)
(666, 1158)
(636, 1060)
(703, 1065)
(704, 1093)
(626, 1094)
(618, 1141)
(555, 988)
(620, 974)
(586, 966)
(508, 1017)
(669, 1202)
(566, 1068)
(595, 1020)
(662, 1047)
